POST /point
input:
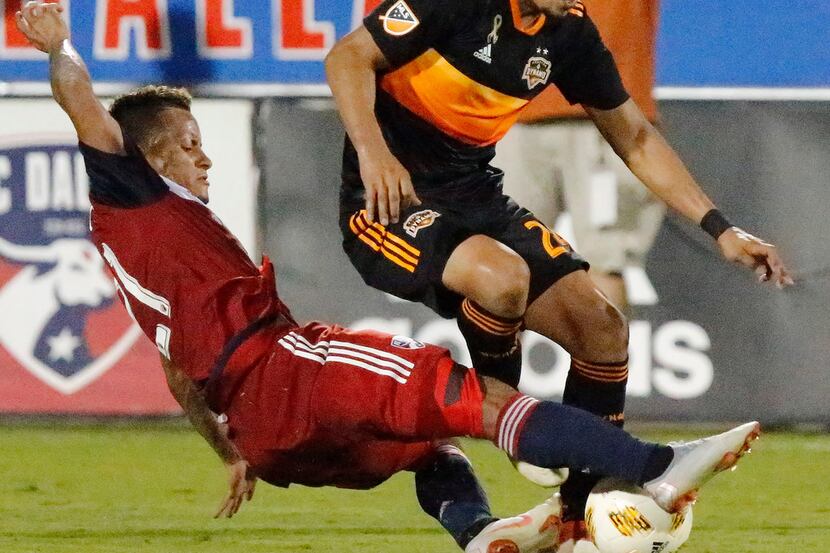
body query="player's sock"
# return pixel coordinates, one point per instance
(448, 491)
(550, 434)
(493, 342)
(598, 388)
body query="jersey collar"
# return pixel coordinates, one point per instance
(179, 190)
(533, 28)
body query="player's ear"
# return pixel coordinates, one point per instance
(156, 161)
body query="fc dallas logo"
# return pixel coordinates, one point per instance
(58, 317)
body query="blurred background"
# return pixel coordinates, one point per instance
(741, 89)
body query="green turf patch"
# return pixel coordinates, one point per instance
(153, 488)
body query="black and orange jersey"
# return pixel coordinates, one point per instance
(460, 73)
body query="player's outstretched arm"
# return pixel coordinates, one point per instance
(351, 68)
(44, 27)
(241, 480)
(658, 166)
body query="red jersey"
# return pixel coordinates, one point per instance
(181, 274)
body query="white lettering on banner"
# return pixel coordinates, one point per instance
(53, 183)
(5, 193)
(639, 359)
(220, 34)
(296, 34)
(37, 181)
(679, 368)
(13, 44)
(117, 20)
(686, 371)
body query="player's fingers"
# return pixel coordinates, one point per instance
(762, 272)
(409, 192)
(746, 260)
(371, 202)
(383, 206)
(222, 507)
(774, 264)
(251, 490)
(394, 198)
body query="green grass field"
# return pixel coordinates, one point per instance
(152, 487)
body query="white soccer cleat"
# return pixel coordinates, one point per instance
(535, 531)
(696, 462)
(547, 478)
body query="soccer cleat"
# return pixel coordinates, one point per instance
(573, 538)
(535, 531)
(547, 478)
(696, 462)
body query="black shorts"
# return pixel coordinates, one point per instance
(407, 258)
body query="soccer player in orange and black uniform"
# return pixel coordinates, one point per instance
(312, 404)
(425, 88)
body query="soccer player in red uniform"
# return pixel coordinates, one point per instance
(314, 404)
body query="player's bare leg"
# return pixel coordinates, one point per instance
(494, 281)
(576, 315)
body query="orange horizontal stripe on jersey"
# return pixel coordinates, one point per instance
(472, 308)
(374, 241)
(434, 90)
(388, 235)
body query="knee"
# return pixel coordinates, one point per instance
(506, 288)
(609, 335)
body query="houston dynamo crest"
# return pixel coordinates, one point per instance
(59, 317)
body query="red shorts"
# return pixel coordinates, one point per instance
(338, 407)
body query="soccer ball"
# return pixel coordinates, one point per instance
(622, 518)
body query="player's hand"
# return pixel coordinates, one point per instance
(388, 186)
(241, 484)
(762, 257)
(42, 24)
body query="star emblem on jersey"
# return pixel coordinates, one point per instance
(399, 19)
(419, 220)
(537, 71)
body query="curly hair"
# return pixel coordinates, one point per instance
(137, 111)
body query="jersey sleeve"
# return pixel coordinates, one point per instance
(591, 77)
(121, 180)
(404, 29)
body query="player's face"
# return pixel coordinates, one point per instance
(553, 8)
(178, 153)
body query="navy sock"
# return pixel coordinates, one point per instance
(549, 434)
(598, 388)
(448, 491)
(493, 342)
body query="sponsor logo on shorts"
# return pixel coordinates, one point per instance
(420, 220)
(399, 19)
(537, 70)
(405, 342)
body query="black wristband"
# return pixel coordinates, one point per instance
(714, 223)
